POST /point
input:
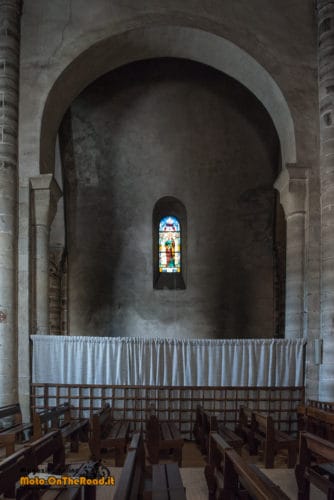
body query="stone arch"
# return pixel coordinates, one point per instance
(151, 42)
(163, 41)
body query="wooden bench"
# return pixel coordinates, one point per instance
(167, 482)
(319, 422)
(310, 409)
(206, 423)
(301, 417)
(11, 427)
(106, 434)
(314, 450)
(59, 417)
(273, 440)
(232, 476)
(162, 437)
(50, 445)
(12, 468)
(245, 428)
(27, 460)
(131, 482)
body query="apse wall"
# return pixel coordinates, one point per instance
(170, 128)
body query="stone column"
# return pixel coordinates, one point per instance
(64, 299)
(326, 103)
(292, 187)
(55, 289)
(9, 81)
(45, 194)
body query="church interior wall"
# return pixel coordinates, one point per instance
(53, 34)
(170, 128)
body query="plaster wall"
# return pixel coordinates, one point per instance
(170, 128)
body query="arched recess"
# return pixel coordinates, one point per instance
(163, 41)
(156, 42)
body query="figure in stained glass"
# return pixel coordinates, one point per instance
(169, 245)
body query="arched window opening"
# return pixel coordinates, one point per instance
(169, 244)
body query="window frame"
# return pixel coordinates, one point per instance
(169, 206)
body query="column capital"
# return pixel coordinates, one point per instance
(45, 194)
(292, 187)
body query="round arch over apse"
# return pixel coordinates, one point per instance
(163, 41)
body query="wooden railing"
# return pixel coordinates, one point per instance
(321, 405)
(176, 404)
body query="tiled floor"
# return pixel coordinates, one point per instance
(193, 478)
(192, 473)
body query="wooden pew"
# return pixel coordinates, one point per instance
(131, 482)
(108, 434)
(26, 460)
(12, 468)
(59, 417)
(201, 429)
(311, 409)
(230, 474)
(163, 436)
(313, 449)
(167, 482)
(273, 440)
(11, 427)
(301, 417)
(245, 428)
(257, 484)
(205, 423)
(50, 445)
(319, 422)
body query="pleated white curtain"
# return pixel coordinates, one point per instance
(138, 361)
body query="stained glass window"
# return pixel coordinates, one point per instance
(169, 245)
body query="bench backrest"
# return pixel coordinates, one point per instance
(53, 418)
(262, 488)
(12, 468)
(27, 460)
(264, 424)
(319, 422)
(10, 415)
(245, 416)
(101, 423)
(49, 445)
(312, 444)
(205, 421)
(209, 421)
(130, 483)
(217, 448)
(201, 418)
(152, 428)
(318, 414)
(225, 461)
